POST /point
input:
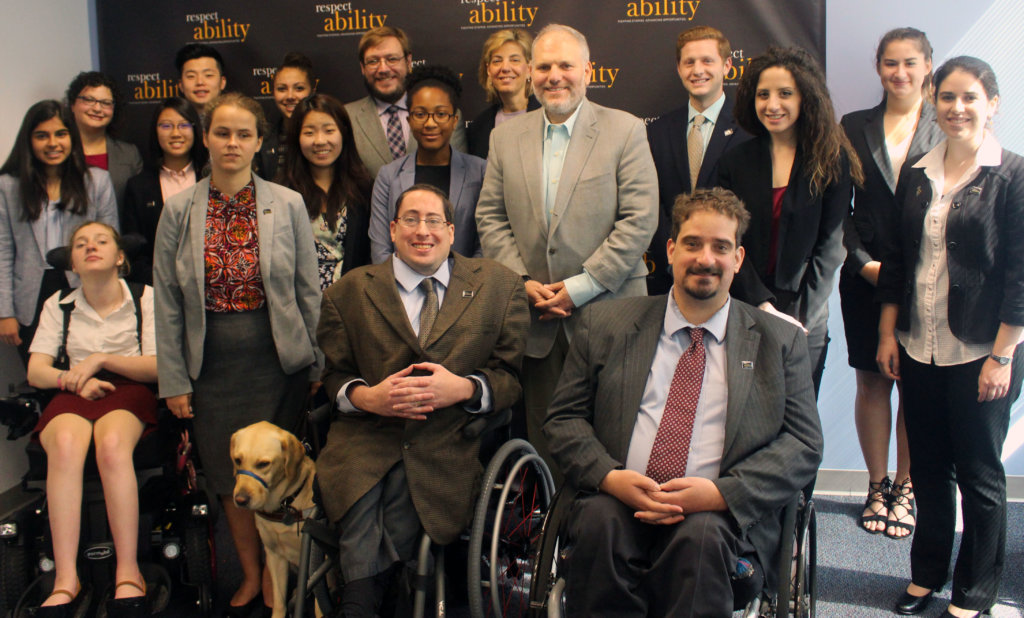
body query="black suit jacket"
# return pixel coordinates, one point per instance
(667, 136)
(874, 213)
(773, 439)
(810, 238)
(984, 250)
(143, 203)
(478, 133)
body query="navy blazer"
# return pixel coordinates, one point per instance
(467, 176)
(478, 133)
(874, 211)
(984, 252)
(667, 136)
(810, 237)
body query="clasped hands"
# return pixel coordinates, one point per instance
(550, 299)
(664, 504)
(80, 378)
(403, 395)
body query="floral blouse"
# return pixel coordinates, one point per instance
(330, 248)
(232, 252)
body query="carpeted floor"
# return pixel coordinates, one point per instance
(858, 574)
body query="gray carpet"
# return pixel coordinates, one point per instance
(859, 574)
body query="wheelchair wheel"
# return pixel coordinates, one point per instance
(14, 575)
(515, 497)
(201, 566)
(804, 579)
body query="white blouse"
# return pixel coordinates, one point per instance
(88, 333)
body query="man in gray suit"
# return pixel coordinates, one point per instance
(569, 202)
(380, 121)
(416, 347)
(684, 422)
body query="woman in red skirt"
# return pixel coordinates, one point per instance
(103, 400)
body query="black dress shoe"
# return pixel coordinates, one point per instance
(909, 605)
(244, 611)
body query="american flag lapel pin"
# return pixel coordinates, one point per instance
(468, 293)
(747, 364)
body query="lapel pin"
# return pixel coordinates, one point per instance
(151, 204)
(468, 293)
(918, 193)
(747, 364)
(975, 190)
(266, 211)
(728, 132)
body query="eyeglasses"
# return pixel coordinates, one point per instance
(411, 222)
(391, 61)
(421, 116)
(90, 102)
(169, 126)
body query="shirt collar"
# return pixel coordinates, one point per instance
(175, 173)
(990, 154)
(76, 295)
(409, 279)
(710, 114)
(569, 123)
(382, 106)
(716, 325)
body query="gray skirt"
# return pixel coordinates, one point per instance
(241, 383)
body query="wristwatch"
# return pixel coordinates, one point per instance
(1002, 360)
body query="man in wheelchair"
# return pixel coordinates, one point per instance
(415, 347)
(685, 423)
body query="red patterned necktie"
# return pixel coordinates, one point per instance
(672, 442)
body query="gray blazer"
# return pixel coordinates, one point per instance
(773, 439)
(123, 162)
(287, 264)
(604, 215)
(372, 143)
(21, 261)
(467, 175)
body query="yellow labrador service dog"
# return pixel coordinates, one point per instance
(274, 478)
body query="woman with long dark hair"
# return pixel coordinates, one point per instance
(323, 166)
(237, 304)
(951, 326)
(177, 157)
(97, 105)
(45, 192)
(900, 128)
(796, 179)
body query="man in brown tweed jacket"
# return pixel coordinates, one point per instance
(415, 347)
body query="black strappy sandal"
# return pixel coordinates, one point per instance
(901, 495)
(878, 494)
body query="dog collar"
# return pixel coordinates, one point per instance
(286, 513)
(255, 476)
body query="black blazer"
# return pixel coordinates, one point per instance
(143, 203)
(667, 137)
(357, 237)
(984, 252)
(810, 242)
(478, 133)
(874, 211)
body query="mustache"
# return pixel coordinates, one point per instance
(705, 270)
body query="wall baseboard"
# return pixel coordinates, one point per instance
(855, 482)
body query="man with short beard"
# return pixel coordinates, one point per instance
(380, 121)
(569, 202)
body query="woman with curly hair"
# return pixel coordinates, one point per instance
(97, 105)
(796, 179)
(433, 93)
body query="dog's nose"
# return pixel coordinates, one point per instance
(242, 500)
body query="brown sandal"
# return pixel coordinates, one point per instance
(878, 494)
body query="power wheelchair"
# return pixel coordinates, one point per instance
(175, 516)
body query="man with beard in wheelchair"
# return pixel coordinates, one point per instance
(415, 348)
(684, 423)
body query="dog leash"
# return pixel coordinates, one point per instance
(286, 513)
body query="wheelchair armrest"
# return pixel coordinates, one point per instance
(483, 423)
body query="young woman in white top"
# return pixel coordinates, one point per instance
(103, 400)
